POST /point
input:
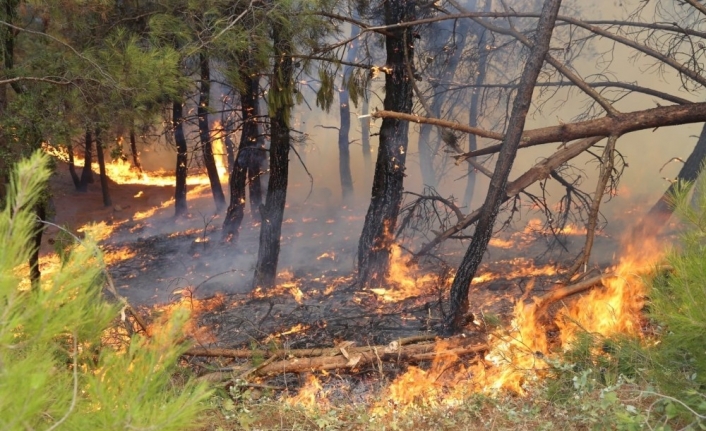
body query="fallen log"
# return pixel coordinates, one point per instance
(297, 353)
(349, 358)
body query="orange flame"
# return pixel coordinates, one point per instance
(404, 281)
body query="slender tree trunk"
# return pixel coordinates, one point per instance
(426, 158)
(72, 168)
(246, 152)
(182, 160)
(206, 145)
(87, 173)
(273, 210)
(427, 151)
(496, 191)
(256, 161)
(381, 219)
(133, 150)
(101, 167)
(344, 154)
(230, 145)
(481, 73)
(34, 273)
(365, 140)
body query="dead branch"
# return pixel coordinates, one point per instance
(296, 353)
(543, 302)
(618, 125)
(606, 171)
(538, 172)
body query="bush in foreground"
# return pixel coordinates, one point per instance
(55, 373)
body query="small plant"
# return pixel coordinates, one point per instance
(55, 371)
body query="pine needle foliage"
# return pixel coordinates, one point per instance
(55, 374)
(678, 305)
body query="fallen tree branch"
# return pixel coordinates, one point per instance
(617, 125)
(296, 353)
(342, 357)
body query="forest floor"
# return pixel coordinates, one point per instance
(158, 261)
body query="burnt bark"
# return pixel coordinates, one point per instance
(381, 218)
(455, 320)
(247, 155)
(35, 274)
(101, 168)
(344, 154)
(205, 135)
(87, 173)
(72, 167)
(365, 139)
(133, 150)
(181, 160)
(272, 211)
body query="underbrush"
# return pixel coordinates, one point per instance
(621, 383)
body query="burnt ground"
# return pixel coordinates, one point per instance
(156, 260)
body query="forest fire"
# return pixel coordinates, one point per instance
(404, 281)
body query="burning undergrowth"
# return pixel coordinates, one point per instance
(321, 339)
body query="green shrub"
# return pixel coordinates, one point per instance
(54, 371)
(678, 308)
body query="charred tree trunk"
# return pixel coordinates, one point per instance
(344, 154)
(87, 173)
(34, 273)
(660, 213)
(101, 167)
(244, 160)
(72, 168)
(273, 210)
(256, 161)
(496, 191)
(230, 145)
(204, 133)
(133, 150)
(182, 160)
(381, 219)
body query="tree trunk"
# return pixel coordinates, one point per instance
(344, 154)
(181, 160)
(426, 158)
(72, 168)
(273, 210)
(440, 91)
(87, 173)
(365, 140)
(381, 219)
(475, 104)
(34, 273)
(204, 133)
(230, 145)
(455, 320)
(256, 160)
(133, 150)
(101, 167)
(244, 160)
